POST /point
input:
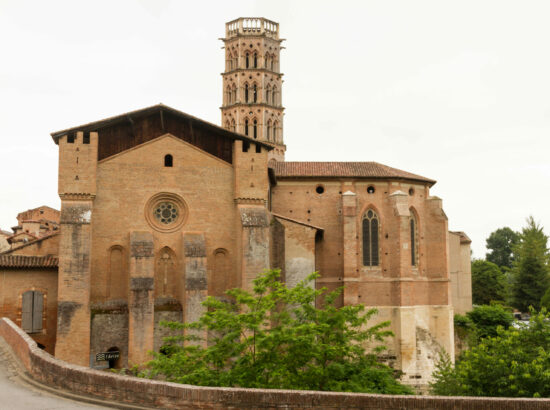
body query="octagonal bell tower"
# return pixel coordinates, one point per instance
(252, 81)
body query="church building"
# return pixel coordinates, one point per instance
(160, 209)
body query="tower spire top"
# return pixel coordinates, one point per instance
(252, 81)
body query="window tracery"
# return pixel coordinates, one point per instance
(371, 236)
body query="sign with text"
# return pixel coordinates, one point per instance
(101, 357)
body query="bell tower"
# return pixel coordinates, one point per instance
(252, 82)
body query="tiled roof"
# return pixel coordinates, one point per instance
(32, 242)
(343, 169)
(22, 261)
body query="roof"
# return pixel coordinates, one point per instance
(463, 237)
(97, 125)
(31, 243)
(32, 262)
(17, 235)
(343, 169)
(297, 222)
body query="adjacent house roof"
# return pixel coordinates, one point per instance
(343, 169)
(30, 243)
(27, 262)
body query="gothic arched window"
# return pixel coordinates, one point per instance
(246, 93)
(165, 273)
(234, 92)
(228, 94)
(247, 59)
(275, 131)
(255, 60)
(255, 93)
(233, 126)
(268, 129)
(268, 94)
(255, 128)
(371, 229)
(414, 239)
(246, 127)
(275, 96)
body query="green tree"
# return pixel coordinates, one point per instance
(275, 337)
(481, 322)
(514, 363)
(545, 301)
(501, 244)
(486, 319)
(488, 283)
(531, 267)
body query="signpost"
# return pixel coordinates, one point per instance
(107, 356)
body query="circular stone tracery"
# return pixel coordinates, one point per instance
(166, 212)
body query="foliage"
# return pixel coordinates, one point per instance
(483, 321)
(545, 301)
(514, 363)
(275, 337)
(531, 267)
(488, 283)
(486, 319)
(501, 244)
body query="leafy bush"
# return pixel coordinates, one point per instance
(275, 337)
(487, 318)
(514, 363)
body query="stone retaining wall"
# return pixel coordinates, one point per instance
(81, 380)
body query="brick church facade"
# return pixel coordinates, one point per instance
(160, 209)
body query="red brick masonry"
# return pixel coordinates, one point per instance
(81, 380)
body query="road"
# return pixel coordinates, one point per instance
(15, 394)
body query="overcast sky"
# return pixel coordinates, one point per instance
(457, 91)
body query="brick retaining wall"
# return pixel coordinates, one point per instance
(81, 380)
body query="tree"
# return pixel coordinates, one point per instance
(545, 301)
(275, 337)
(531, 267)
(481, 322)
(488, 283)
(514, 363)
(501, 244)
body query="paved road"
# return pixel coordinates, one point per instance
(15, 394)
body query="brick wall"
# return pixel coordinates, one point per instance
(56, 373)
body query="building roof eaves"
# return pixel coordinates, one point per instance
(30, 243)
(28, 262)
(96, 125)
(328, 170)
(297, 222)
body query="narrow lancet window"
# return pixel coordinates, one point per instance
(370, 239)
(414, 240)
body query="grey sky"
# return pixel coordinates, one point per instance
(457, 91)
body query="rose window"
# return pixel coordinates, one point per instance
(166, 212)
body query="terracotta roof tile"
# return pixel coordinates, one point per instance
(32, 262)
(343, 169)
